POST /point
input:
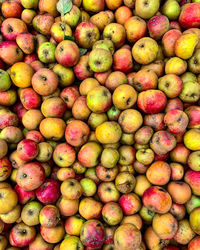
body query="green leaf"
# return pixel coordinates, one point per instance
(71, 38)
(64, 6)
(82, 51)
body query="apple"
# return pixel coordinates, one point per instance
(30, 213)
(10, 52)
(11, 27)
(22, 235)
(171, 9)
(27, 149)
(30, 176)
(48, 192)
(67, 53)
(189, 16)
(158, 26)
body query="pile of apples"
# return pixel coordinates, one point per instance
(100, 124)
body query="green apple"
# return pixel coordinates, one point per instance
(88, 186)
(30, 213)
(100, 60)
(46, 52)
(4, 80)
(29, 4)
(171, 9)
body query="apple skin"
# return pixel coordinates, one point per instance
(82, 69)
(48, 192)
(67, 53)
(169, 40)
(49, 216)
(158, 26)
(42, 23)
(30, 176)
(18, 238)
(157, 199)
(92, 234)
(11, 27)
(10, 52)
(24, 196)
(123, 61)
(86, 34)
(190, 16)
(152, 101)
(11, 9)
(193, 113)
(27, 149)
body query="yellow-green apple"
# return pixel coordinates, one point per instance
(101, 19)
(73, 225)
(146, 9)
(100, 60)
(145, 50)
(171, 9)
(71, 189)
(185, 45)
(99, 99)
(46, 52)
(171, 85)
(116, 33)
(72, 17)
(193, 63)
(72, 242)
(190, 92)
(30, 213)
(28, 15)
(93, 6)
(192, 203)
(59, 30)
(30, 4)
(108, 192)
